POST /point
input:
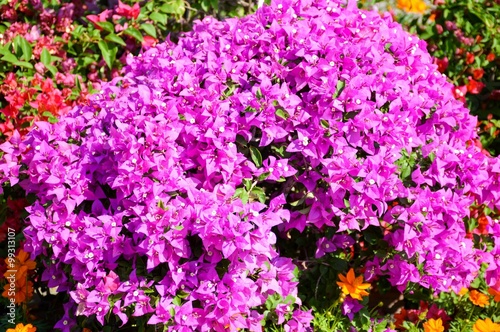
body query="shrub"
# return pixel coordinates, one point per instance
(185, 191)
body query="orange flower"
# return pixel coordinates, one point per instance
(23, 290)
(434, 325)
(22, 264)
(352, 285)
(495, 293)
(412, 6)
(23, 328)
(479, 298)
(486, 325)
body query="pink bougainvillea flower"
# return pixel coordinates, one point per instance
(127, 11)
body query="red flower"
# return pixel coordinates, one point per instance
(149, 41)
(127, 11)
(469, 58)
(459, 92)
(102, 17)
(474, 86)
(442, 64)
(478, 73)
(490, 57)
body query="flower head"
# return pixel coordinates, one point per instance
(352, 285)
(434, 325)
(22, 328)
(478, 298)
(485, 325)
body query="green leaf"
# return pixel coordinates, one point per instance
(256, 156)
(282, 114)
(24, 46)
(259, 193)
(23, 64)
(214, 4)
(242, 194)
(149, 29)
(340, 87)
(106, 54)
(45, 57)
(205, 5)
(77, 83)
(108, 26)
(325, 124)
(263, 176)
(133, 32)
(115, 39)
(247, 183)
(9, 57)
(159, 18)
(177, 301)
(175, 7)
(52, 69)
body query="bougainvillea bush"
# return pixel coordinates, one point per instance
(55, 53)
(202, 190)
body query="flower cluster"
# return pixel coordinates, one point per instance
(23, 328)
(165, 196)
(18, 274)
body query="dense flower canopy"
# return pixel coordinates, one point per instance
(158, 198)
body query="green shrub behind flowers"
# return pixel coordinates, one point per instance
(259, 167)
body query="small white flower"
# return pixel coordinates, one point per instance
(192, 121)
(371, 181)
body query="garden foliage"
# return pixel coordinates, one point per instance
(191, 191)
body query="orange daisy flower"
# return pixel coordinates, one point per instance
(352, 285)
(434, 325)
(23, 328)
(23, 291)
(412, 6)
(486, 325)
(478, 298)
